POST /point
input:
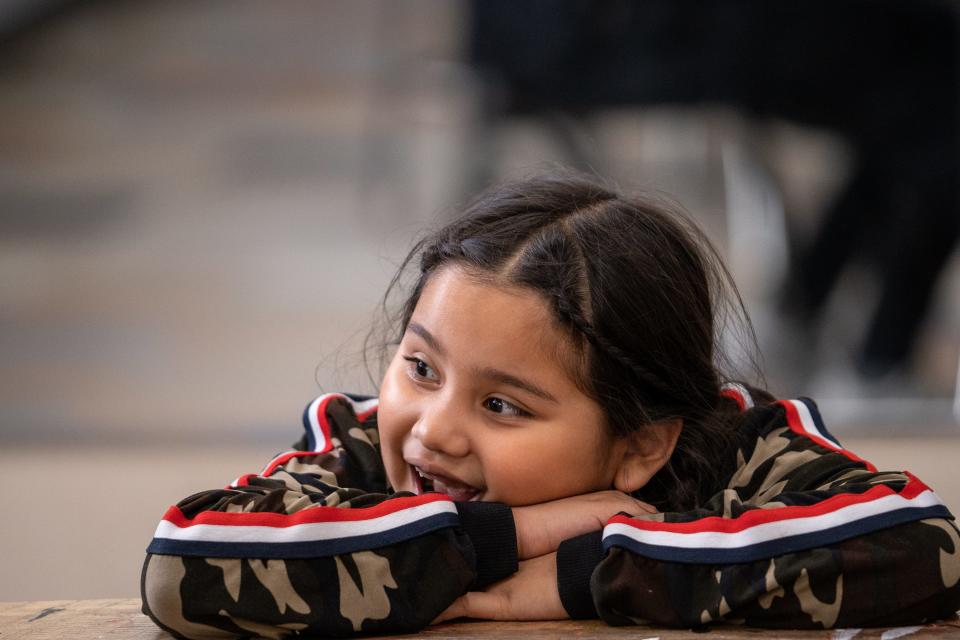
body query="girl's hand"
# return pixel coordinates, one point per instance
(542, 527)
(529, 594)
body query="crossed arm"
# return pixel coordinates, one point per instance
(532, 592)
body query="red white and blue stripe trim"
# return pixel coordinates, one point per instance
(738, 393)
(765, 533)
(313, 532)
(315, 418)
(804, 419)
(318, 431)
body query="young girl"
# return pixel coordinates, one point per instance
(552, 439)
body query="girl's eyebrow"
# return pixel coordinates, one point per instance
(506, 378)
(491, 373)
(421, 331)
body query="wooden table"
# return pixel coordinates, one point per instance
(121, 619)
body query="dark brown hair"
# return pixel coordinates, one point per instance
(642, 292)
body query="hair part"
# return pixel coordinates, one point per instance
(642, 293)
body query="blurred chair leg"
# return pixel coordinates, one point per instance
(819, 266)
(925, 238)
(956, 396)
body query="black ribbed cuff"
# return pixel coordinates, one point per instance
(576, 560)
(492, 531)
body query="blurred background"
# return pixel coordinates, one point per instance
(201, 204)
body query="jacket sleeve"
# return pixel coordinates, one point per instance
(805, 535)
(315, 544)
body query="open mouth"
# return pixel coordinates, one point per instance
(425, 482)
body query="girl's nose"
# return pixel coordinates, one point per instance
(440, 428)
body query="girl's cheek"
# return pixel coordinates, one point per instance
(390, 421)
(391, 451)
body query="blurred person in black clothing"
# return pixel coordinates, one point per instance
(880, 73)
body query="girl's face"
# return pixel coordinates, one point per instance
(476, 403)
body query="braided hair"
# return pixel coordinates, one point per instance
(641, 292)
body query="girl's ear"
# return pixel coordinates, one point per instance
(647, 450)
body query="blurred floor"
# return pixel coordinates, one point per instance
(200, 207)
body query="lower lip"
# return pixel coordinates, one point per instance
(457, 493)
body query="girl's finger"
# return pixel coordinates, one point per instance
(455, 610)
(475, 604)
(484, 605)
(644, 507)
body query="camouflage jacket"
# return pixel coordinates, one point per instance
(803, 534)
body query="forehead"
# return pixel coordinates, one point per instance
(493, 324)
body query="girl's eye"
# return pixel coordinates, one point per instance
(501, 406)
(421, 369)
